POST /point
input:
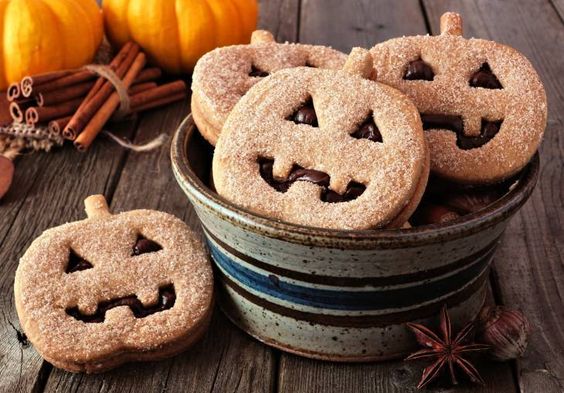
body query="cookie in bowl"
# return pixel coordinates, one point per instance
(224, 75)
(324, 148)
(482, 104)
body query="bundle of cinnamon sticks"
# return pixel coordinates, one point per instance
(78, 103)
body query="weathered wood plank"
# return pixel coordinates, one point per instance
(559, 6)
(344, 24)
(365, 23)
(48, 190)
(530, 266)
(281, 18)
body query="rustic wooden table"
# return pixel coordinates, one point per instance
(49, 190)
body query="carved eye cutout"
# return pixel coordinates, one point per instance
(167, 298)
(322, 179)
(144, 246)
(419, 70)
(308, 64)
(368, 130)
(455, 124)
(485, 78)
(77, 263)
(257, 73)
(305, 114)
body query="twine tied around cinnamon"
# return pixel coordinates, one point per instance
(106, 72)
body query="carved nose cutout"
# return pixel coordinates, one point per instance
(419, 70)
(167, 298)
(77, 263)
(368, 130)
(305, 114)
(453, 123)
(144, 246)
(257, 73)
(322, 179)
(485, 78)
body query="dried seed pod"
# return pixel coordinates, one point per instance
(505, 330)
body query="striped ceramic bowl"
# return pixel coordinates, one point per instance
(340, 295)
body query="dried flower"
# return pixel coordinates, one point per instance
(506, 331)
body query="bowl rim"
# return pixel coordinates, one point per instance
(468, 224)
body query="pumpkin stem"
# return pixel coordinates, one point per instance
(360, 63)
(261, 36)
(451, 23)
(96, 207)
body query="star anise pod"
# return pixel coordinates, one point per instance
(446, 350)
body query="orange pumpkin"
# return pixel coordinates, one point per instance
(176, 33)
(39, 36)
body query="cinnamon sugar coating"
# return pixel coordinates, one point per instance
(221, 77)
(520, 104)
(44, 291)
(259, 127)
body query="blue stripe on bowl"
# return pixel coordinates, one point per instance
(340, 299)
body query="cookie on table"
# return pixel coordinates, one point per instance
(224, 75)
(482, 104)
(93, 294)
(324, 148)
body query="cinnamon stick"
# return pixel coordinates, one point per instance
(158, 102)
(13, 92)
(94, 126)
(69, 80)
(149, 74)
(160, 92)
(28, 82)
(16, 112)
(44, 114)
(64, 94)
(141, 87)
(94, 101)
(56, 126)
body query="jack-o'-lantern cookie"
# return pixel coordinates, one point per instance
(482, 104)
(110, 289)
(324, 148)
(224, 75)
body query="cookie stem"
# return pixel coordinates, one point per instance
(360, 63)
(451, 23)
(260, 36)
(96, 206)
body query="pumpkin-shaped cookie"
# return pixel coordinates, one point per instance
(224, 75)
(324, 148)
(96, 293)
(482, 103)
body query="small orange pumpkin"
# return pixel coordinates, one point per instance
(46, 35)
(175, 34)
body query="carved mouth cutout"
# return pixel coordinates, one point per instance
(322, 179)
(488, 131)
(167, 298)
(257, 73)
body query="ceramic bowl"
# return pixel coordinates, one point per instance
(341, 295)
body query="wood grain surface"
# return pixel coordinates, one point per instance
(49, 190)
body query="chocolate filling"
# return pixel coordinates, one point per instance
(144, 246)
(488, 130)
(77, 263)
(258, 73)
(322, 179)
(167, 298)
(368, 130)
(485, 78)
(418, 70)
(305, 115)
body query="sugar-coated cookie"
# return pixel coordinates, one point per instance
(110, 289)
(482, 103)
(224, 75)
(324, 148)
